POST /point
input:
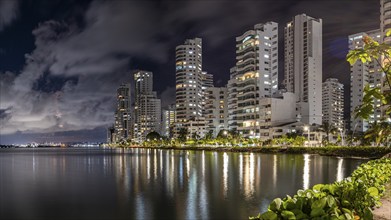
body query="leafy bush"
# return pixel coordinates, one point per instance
(351, 198)
(357, 151)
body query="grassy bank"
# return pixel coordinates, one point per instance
(361, 151)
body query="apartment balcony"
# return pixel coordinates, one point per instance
(247, 52)
(248, 56)
(248, 103)
(246, 62)
(246, 93)
(387, 5)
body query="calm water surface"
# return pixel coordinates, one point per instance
(77, 183)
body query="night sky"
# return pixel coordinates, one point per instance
(61, 61)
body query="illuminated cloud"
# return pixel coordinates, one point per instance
(9, 10)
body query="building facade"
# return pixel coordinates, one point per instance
(385, 20)
(361, 75)
(303, 66)
(216, 109)
(206, 80)
(254, 76)
(274, 112)
(233, 110)
(189, 97)
(147, 109)
(333, 103)
(122, 123)
(191, 84)
(169, 119)
(385, 26)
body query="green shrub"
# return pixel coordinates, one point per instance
(351, 198)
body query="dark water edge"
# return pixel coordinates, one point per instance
(95, 183)
(368, 152)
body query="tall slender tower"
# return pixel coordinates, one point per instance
(147, 110)
(255, 76)
(303, 66)
(189, 92)
(122, 125)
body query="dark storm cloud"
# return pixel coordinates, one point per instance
(5, 114)
(9, 10)
(89, 54)
(68, 82)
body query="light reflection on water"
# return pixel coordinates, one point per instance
(340, 170)
(306, 171)
(153, 184)
(225, 173)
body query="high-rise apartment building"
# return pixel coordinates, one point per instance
(233, 110)
(303, 66)
(333, 103)
(207, 82)
(122, 124)
(189, 83)
(169, 117)
(255, 76)
(216, 109)
(361, 75)
(147, 109)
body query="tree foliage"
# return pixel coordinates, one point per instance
(209, 135)
(379, 53)
(153, 136)
(351, 198)
(182, 134)
(328, 129)
(379, 133)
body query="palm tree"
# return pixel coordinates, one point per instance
(379, 132)
(182, 134)
(328, 129)
(209, 135)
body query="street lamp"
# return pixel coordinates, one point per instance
(307, 128)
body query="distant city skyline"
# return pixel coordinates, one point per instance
(79, 53)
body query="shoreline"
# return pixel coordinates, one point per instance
(346, 152)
